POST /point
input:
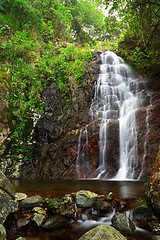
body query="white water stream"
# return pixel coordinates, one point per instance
(115, 100)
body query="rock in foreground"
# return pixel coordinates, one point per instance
(122, 223)
(102, 232)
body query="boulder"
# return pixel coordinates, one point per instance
(142, 211)
(56, 221)
(31, 202)
(102, 232)
(122, 223)
(86, 198)
(7, 194)
(2, 232)
(6, 185)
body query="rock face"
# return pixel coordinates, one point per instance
(148, 120)
(103, 232)
(154, 186)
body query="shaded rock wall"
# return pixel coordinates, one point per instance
(154, 186)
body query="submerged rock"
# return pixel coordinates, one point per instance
(122, 223)
(86, 198)
(102, 232)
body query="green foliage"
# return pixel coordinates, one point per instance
(138, 22)
(21, 11)
(56, 19)
(87, 20)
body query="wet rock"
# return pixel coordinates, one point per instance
(122, 224)
(7, 206)
(6, 185)
(22, 222)
(56, 221)
(20, 196)
(86, 198)
(21, 238)
(7, 194)
(2, 232)
(154, 225)
(110, 196)
(31, 202)
(103, 206)
(39, 219)
(39, 210)
(141, 212)
(101, 197)
(102, 232)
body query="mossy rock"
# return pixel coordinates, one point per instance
(141, 210)
(2, 232)
(103, 232)
(123, 223)
(86, 198)
(63, 206)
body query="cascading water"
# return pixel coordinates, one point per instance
(114, 100)
(82, 165)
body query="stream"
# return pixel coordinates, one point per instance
(129, 190)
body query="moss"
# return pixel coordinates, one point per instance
(103, 232)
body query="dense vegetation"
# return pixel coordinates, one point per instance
(46, 41)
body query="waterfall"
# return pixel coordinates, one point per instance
(82, 162)
(116, 98)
